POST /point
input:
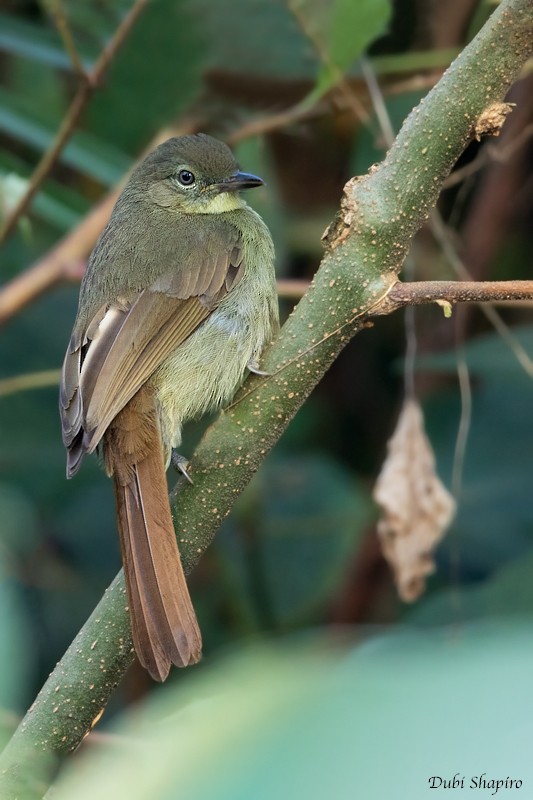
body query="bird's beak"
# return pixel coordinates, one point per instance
(241, 180)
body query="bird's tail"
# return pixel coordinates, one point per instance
(164, 626)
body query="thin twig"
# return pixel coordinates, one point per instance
(89, 82)
(421, 292)
(292, 289)
(489, 153)
(58, 264)
(57, 12)
(441, 234)
(31, 380)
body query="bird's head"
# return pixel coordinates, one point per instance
(193, 174)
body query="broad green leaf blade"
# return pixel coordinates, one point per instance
(350, 29)
(354, 26)
(377, 722)
(16, 667)
(18, 37)
(84, 152)
(508, 594)
(488, 356)
(292, 535)
(310, 527)
(494, 523)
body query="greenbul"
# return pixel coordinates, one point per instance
(178, 300)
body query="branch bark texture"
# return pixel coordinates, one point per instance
(419, 292)
(365, 248)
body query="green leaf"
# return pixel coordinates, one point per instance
(18, 37)
(17, 533)
(488, 356)
(291, 537)
(261, 37)
(303, 722)
(350, 29)
(62, 215)
(494, 524)
(509, 593)
(84, 152)
(312, 523)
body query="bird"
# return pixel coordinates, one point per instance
(177, 304)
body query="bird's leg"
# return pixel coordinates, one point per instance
(181, 464)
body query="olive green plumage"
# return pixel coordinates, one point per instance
(178, 299)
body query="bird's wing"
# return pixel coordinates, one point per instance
(125, 342)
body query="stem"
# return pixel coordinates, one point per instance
(419, 292)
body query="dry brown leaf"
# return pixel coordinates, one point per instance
(416, 507)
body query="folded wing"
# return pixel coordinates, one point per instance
(109, 360)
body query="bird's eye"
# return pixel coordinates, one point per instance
(185, 177)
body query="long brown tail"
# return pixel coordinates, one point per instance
(164, 626)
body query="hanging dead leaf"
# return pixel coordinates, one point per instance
(417, 508)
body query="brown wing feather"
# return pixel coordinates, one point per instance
(151, 330)
(69, 396)
(115, 351)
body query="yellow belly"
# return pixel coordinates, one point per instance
(205, 371)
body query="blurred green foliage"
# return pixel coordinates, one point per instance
(378, 721)
(285, 560)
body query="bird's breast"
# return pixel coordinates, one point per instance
(203, 373)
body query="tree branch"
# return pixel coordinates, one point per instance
(366, 245)
(419, 292)
(66, 261)
(61, 263)
(56, 11)
(88, 82)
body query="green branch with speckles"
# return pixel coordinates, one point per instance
(366, 246)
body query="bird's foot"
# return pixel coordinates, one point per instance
(181, 464)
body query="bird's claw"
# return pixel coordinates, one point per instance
(181, 464)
